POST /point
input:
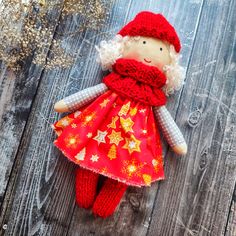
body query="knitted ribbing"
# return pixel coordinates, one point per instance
(137, 81)
(109, 198)
(153, 25)
(85, 187)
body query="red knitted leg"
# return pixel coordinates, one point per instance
(85, 187)
(109, 197)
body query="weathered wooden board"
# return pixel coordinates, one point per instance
(16, 96)
(231, 226)
(196, 197)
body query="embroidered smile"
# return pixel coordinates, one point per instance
(147, 60)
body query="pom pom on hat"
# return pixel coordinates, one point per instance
(149, 24)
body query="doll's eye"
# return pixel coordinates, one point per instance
(144, 42)
(161, 49)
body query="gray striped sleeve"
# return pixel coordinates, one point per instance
(84, 97)
(168, 126)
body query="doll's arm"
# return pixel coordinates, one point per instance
(77, 100)
(170, 130)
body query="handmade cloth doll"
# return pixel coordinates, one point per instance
(112, 129)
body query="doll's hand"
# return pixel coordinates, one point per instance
(180, 149)
(60, 106)
(170, 130)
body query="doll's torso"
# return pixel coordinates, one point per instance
(116, 137)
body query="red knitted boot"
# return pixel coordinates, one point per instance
(108, 198)
(85, 187)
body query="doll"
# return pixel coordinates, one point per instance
(113, 127)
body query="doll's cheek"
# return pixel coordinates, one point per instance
(131, 55)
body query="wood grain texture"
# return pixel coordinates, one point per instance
(17, 92)
(231, 226)
(197, 196)
(195, 199)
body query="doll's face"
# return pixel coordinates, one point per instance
(150, 51)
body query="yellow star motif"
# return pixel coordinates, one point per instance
(124, 109)
(147, 179)
(127, 124)
(94, 158)
(132, 144)
(142, 110)
(144, 131)
(72, 141)
(157, 163)
(133, 111)
(89, 135)
(103, 170)
(73, 125)
(113, 122)
(100, 138)
(65, 121)
(132, 168)
(115, 137)
(104, 103)
(87, 118)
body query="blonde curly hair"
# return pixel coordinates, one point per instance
(109, 51)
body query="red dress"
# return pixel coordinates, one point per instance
(114, 136)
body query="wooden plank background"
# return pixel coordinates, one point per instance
(198, 196)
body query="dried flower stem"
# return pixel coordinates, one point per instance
(27, 29)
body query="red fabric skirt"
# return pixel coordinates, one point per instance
(115, 137)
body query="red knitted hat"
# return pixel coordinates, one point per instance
(152, 25)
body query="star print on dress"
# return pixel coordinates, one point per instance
(103, 170)
(127, 124)
(65, 121)
(132, 144)
(144, 131)
(89, 135)
(115, 137)
(133, 111)
(87, 117)
(73, 125)
(94, 158)
(72, 140)
(132, 168)
(157, 163)
(147, 179)
(142, 110)
(100, 138)
(104, 103)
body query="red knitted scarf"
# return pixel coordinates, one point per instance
(137, 81)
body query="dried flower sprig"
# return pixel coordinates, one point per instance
(27, 29)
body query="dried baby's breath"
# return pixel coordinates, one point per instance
(27, 28)
(93, 12)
